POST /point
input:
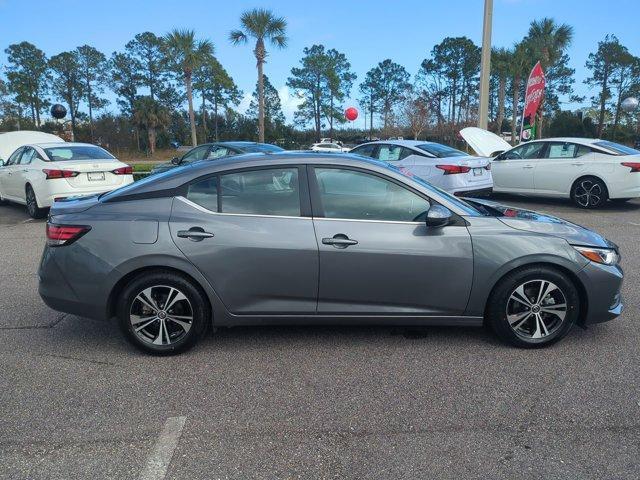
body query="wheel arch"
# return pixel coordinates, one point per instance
(582, 292)
(121, 284)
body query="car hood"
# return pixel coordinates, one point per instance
(483, 142)
(530, 221)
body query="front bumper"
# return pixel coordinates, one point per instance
(603, 285)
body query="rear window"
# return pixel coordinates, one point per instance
(441, 151)
(617, 148)
(77, 152)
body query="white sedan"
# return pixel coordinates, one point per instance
(36, 175)
(447, 168)
(588, 171)
(328, 147)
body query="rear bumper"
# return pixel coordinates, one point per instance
(602, 286)
(478, 192)
(59, 189)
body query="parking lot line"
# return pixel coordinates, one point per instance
(160, 458)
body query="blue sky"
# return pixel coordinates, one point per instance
(366, 31)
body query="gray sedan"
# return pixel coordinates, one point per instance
(318, 238)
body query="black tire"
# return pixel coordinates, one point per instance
(589, 193)
(161, 280)
(32, 204)
(501, 299)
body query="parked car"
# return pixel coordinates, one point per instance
(318, 238)
(328, 147)
(41, 173)
(588, 171)
(10, 141)
(452, 170)
(213, 151)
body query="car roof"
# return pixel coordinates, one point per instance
(582, 141)
(63, 144)
(402, 143)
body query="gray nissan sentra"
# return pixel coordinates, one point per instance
(318, 238)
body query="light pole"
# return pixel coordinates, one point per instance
(485, 66)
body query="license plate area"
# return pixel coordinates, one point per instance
(477, 172)
(95, 176)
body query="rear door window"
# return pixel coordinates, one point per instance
(561, 150)
(365, 150)
(273, 191)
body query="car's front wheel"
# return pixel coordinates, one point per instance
(533, 306)
(162, 313)
(32, 204)
(589, 192)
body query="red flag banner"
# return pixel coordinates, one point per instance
(533, 98)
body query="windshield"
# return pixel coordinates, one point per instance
(263, 148)
(77, 152)
(441, 151)
(461, 204)
(616, 147)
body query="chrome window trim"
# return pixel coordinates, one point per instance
(205, 210)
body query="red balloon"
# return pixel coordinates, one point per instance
(351, 113)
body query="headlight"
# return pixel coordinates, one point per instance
(606, 256)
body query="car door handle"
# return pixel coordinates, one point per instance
(527, 166)
(195, 234)
(339, 241)
(577, 164)
(25, 170)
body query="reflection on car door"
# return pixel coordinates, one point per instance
(562, 164)
(251, 235)
(513, 171)
(377, 256)
(20, 174)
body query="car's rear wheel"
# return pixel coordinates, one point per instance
(162, 313)
(32, 204)
(533, 307)
(589, 192)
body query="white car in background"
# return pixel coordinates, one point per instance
(588, 171)
(38, 174)
(447, 168)
(328, 147)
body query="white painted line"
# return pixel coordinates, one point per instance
(27, 220)
(160, 458)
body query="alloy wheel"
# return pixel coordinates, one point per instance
(32, 205)
(536, 309)
(588, 193)
(161, 315)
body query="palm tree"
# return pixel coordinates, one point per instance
(546, 41)
(501, 65)
(261, 25)
(186, 54)
(149, 115)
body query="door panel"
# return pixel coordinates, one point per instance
(377, 257)
(395, 268)
(256, 264)
(514, 171)
(563, 163)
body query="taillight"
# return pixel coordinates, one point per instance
(634, 166)
(453, 169)
(59, 235)
(53, 174)
(123, 171)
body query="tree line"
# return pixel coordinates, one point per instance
(154, 76)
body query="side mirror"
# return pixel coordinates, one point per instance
(1, 162)
(438, 216)
(175, 161)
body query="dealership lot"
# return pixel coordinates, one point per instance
(295, 402)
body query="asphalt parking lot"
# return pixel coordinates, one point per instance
(76, 401)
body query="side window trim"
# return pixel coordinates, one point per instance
(303, 186)
(316, 199)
